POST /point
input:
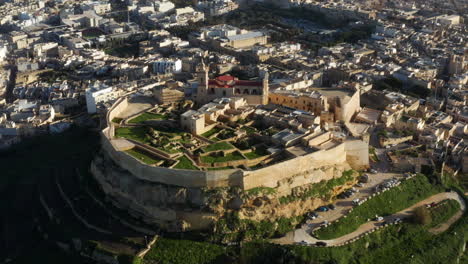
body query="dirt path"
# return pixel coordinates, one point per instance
(300, 235)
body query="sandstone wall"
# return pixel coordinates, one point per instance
(297, 171)
(178, 177)
(357, 154)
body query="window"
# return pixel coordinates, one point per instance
(246, 91)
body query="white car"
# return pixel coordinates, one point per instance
(378, 218)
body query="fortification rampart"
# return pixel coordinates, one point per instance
(296, 171)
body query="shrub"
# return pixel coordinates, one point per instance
(422, 216)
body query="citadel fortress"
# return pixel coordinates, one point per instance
(243, 149)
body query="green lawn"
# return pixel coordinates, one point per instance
(146, 116)
(398, 198)
(135, 133)
(141, 155)
(211, 132)
(218, 146)
(229, 157)
(259, 152)
(185, 163)
(171, 251)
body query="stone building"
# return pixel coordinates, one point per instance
(165, 95)
(344, 103)
(254, 92)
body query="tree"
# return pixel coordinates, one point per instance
(422, 216)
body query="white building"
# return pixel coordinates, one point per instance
(167, 66)
(99, 94)
(164, 6)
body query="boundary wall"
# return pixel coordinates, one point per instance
(271, 176)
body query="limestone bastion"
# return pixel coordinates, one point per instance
(187, 200)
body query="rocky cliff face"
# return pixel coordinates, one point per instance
(177, 208)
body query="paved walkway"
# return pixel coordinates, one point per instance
(301, 234)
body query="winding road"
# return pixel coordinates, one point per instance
(300, 235)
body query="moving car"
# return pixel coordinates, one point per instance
(321, 244)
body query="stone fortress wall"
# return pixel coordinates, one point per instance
(354, 152)
(140, 184)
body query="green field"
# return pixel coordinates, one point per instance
(218, 146)
(257, 153)
(146, 116)
(229, 157)
(141, 155)
(211, 132)
(185, 163)
(135, 133)
(396, 199)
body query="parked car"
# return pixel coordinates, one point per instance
(322, 209)
(331, 206)
(373, 171)
(356, 201)
(321, 244)
(379, 218)
(360, 184)
(312, 215)
(364, 178)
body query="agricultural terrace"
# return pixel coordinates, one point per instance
(159, 141)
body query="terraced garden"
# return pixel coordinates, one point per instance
(185, 163)
(228, 157)
(141, 155)
(147, 116)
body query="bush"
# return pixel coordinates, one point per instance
(422, 216)
(170, 251)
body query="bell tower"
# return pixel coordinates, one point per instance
(266, 89)
(203, 78)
